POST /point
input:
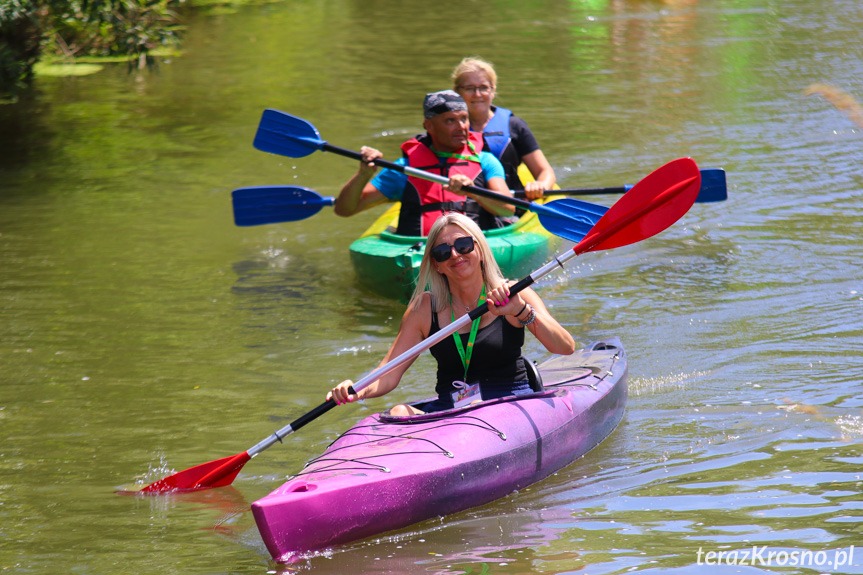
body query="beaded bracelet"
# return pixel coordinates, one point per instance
(530, 318)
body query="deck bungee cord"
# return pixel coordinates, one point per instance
(378, 437)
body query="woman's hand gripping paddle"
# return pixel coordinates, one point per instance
(654, 204)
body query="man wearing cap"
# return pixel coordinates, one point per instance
(448, 148)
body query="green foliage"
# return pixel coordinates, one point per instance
(20, 39)
(111, 27)
(71, 28)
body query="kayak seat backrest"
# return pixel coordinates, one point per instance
(533, 375)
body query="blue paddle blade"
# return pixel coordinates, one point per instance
(713, 186)
(569, 218)
(274, 204)
(286, 135)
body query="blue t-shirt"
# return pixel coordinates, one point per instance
(392, 183)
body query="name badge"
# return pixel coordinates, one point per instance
(465, 394)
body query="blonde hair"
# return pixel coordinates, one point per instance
(433, 281)
(473, 64)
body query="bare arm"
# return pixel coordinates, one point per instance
(358, 194)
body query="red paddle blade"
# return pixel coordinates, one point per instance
(213, 474)
(650, 207)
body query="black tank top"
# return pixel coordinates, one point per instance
(496, 359)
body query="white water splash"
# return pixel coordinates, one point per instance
(851, 425)
(154, 474)
(673, 382)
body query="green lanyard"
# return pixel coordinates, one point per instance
(465, 357)
(472, 158)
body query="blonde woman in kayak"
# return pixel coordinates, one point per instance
(506, 135)
(457, 274)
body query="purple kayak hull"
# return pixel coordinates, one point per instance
(388, 472)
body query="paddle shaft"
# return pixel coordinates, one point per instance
(570, 219)
(410, 354)
(581, 191)
(423, 175)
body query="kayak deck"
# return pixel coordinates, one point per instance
(389, 472)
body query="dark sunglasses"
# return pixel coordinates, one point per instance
(443, 252)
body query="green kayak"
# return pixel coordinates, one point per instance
(388, 264)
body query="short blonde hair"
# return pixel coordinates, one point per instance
(433, 281)
(473, 64)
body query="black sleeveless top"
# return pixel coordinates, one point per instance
(496, 362)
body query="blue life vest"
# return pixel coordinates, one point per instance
(496, 132)
(498, 141)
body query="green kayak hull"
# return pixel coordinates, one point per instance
(388, 264)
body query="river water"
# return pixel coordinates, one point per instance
(142, 332)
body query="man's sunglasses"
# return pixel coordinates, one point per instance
(443, 252)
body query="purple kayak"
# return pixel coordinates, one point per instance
(389, 472)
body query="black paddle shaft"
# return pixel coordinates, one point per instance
(578, 192)
(316, 412)
(327, 147)
(517, 287)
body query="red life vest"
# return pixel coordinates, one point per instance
(431, 199)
